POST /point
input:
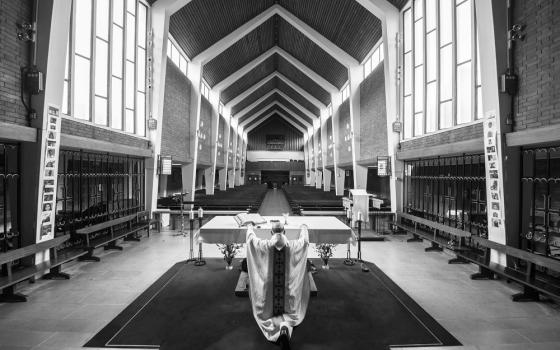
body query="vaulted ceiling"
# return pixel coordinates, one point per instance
(298, 74)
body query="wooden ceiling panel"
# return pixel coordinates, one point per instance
(245, 82)
(239, 54)
(296, 96)
(298, 77)
(201, 23)
(289, 116)
(293, 108)
(260, 92)
(310, 54)
(257, 108)
(344, 22)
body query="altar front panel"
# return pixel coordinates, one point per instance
(322, 229)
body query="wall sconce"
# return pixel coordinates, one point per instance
(152, 123)
(26, 32)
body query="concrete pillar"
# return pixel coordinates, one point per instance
(491, 20)
(162, 188)
(336, 100)
(210, 174)
(194, 74)
(160, 28)
(356, 75)
(222, 178)
(53, 25)
(187, 179)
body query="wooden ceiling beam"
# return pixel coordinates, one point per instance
(312, 99)
(232, 78)
(230, 39)
(266, 117)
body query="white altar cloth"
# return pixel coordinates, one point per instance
(322, 229)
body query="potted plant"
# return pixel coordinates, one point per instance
(229, 251)
(325, 251)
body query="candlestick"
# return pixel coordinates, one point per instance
(200, 212)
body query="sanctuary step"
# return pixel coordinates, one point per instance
(242, 287)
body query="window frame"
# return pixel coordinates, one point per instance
(475, 85)
(70, 76)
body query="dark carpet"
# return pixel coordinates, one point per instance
(193, 307)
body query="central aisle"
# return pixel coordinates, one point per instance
(274, 203)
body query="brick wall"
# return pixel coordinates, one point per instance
(461, 134)
(373, 116)
(14, 54)
(536, 63)
(222, 131)
(205, 146)
(329, 152)
(176, 110)
(344, 152)
(71, 127)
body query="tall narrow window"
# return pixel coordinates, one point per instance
(107, 64)
(446, 91)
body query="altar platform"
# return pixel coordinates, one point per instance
(322, 229)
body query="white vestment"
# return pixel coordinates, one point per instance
(296, 292)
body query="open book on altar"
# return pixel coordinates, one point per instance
(244, 219)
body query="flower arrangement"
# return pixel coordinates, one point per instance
(229, 251)
(325, 251)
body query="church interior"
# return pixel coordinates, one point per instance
(274, 174)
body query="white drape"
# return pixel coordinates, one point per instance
(297, 288)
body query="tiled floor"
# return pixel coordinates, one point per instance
(65, 314)
(274, 203)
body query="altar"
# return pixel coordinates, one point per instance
(322, 229)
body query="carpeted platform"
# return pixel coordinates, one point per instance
(193, 307)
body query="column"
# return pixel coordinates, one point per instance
(491, 20)
(53, 26)
(356, 75)
(160, 28)
(189, 171)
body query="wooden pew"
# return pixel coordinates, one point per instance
(28, 272)
(123, 227)
(431, 231)
(525, 274)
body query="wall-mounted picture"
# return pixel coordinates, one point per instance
(51, 143)
(496, 222)
(493, 165)
(495, 196)
(494, 185)
(53, 120)
(491, 149)
(48, 183)
(47, 207)
(52, 127)
(51, 152)
(48, 198)
(49, 173)
(495, 206)
(51, 135)
(494, 174)
(46, 229)
(495, 214)
(48, 190)
(492, 157)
